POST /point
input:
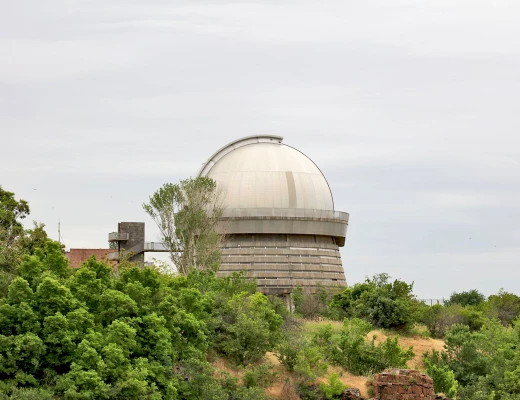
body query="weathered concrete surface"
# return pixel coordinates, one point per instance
(281, 262)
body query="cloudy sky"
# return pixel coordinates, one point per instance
(410, 108)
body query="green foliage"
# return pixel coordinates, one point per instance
(251, 327)
(467, 298)
(383, 303)
(28, 394)
(486, 363)
(334, 387)
(504, 306)
(443, 378)
(260, 375)
(15, 241)
(287, 353)
(302, 358)
(358, 355)
(314, 303)
(130, 333)
(187, 214)
(297, 297)
(439, 319)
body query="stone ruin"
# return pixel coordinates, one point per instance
(396, 384)
(404, 384)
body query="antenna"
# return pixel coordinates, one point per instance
(59, 231)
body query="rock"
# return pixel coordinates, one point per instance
(351, 394)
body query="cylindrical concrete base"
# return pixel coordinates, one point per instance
(281, 262)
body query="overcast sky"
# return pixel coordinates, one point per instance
(410, 108)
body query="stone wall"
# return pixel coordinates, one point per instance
(403, 384)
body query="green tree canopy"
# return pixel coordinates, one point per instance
(385, 304)
(187, 214)
(127, 333)
(11, 229)
(466, 298)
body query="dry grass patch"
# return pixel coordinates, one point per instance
(420, 345)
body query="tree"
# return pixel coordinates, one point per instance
(505, 306)
(187, 215)
(383, 303)
(11, 212)
(251, 328)
(467, 298)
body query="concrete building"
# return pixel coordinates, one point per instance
(280, 217)
(131, 242)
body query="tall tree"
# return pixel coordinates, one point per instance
(187, 214)
(11, 229)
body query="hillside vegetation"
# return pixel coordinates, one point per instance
(126, 332)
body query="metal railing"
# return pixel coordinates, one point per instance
(432, 302)
(155, 246)
(285, 212)
(117, 236)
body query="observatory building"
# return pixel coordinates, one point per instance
(279, 216)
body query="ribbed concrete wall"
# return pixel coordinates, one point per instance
(280, 262)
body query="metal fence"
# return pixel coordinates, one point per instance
(432, 302)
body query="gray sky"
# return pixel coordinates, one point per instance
(409, 107)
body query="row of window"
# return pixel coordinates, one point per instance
(278, 255)
(276, 247)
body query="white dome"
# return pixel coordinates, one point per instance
(262, 172)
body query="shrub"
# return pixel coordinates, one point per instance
(358, 355)
(287, 352)
(309, 363)
(28, 394)
(334, 388)
(439, 319)
(309, 305)
(443, 378)
(251, 328)
(383, 303)
(299, 356)
(260, 375)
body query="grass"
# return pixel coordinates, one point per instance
(418, 338)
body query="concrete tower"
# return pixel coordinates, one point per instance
(280, 218)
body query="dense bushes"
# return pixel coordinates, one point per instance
(249, 328)
(466, 298)
(126, 334)
(486, 363)
(443, 378)
(383, 303)
(357, 354)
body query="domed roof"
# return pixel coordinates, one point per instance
(262, 172)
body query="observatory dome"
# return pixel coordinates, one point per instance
(262, 172)
(279, 222)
